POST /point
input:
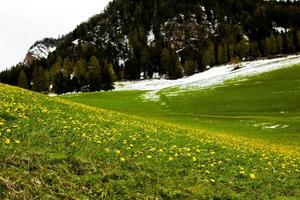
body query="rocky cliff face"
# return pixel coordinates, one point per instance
(40, 49)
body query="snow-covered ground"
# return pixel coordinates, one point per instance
(211, 77)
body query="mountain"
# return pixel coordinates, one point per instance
(134, 39)
(40, 49)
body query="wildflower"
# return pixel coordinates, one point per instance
(161, 150)
(149, 157)
(252, 176)
(8, 130)
(194, 159)
(122, 159)
(171, 158)
(118, 151)
(7, 141)
(17, 141)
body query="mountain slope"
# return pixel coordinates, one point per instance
(136, 39)
(56, 149)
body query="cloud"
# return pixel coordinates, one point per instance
(24, 22)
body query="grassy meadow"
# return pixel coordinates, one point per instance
(264, 107)
(216, 143)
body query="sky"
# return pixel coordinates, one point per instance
(24, 22)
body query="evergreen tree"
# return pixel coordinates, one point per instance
(279, 44)
(254, 50)
(273, 45)
(145, 62)
(267, 47)
(290, 44)
(22, 80)
(209, 55)
(80, 74)
(231, 51)
(94, 74)
(108, 77)
(60, 83)
(174, 70)
(190, 67)
(57, 66)
(39, 80)
(243, 48)
(165, 61)
(67, 67)
(222, 54)
(298, 39)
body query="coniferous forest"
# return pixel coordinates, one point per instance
(135, 39)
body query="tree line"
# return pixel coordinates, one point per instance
(187, 37)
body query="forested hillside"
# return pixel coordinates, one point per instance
(135, 39)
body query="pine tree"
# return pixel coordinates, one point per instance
(290, 43)
(222, 54)
(108, 77)
(80, 74)
(57, 66)
(165, 61)
(243, 48)
(298, 39)
(174, 70)
(208, 58)
(94, 74)
(254, 50)
(67, 67)
(273, 45)
(231, 51)
(267, 47)
(279, 43)
(22, 80)
(39, 80)
(145, 62)
(190, 67)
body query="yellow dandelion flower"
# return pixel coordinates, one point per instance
(17, 141)
(161, 150)
(7, 141)
(8, 130)
(252, 176)
(171, 158)
(242, 172)
(122, 159)
(149, 157)
(194, 159)
(118, 151)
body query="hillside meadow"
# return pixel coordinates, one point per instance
(52, 148)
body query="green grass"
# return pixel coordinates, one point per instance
(242, 107)
(56, 149)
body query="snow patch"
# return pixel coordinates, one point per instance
(151, 38)
(212, 77)
(281, 29)
(41, 51)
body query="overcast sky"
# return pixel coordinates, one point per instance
(24, 22)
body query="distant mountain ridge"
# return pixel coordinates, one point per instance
(134, 39)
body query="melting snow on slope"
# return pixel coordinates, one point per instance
(211, 77)
(41, 51)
